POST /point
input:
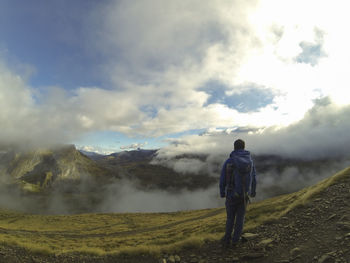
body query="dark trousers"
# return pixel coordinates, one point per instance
(235, 210)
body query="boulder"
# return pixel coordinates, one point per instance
(249, 236)
(265, 242)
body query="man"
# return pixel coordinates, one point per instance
(237, 183)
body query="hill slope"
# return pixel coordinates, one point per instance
(58, 180)
(40, 169)
(298, 227)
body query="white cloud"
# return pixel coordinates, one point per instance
(322, 133)
(163, 52)
(133, 146)
(158, 55)
(131, 199)
(96, 149)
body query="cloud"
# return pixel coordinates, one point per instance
(322, 133)
(133, 146)
(131, 199)
(258, 56)
(30, 117)
(96, 149)
(293, 178)
(162, 59)
(171, 34)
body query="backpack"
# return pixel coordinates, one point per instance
(238, 171)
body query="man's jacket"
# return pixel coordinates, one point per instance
(236, 157)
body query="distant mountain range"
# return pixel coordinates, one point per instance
(81, 180)
(137, 167)
(44, 169)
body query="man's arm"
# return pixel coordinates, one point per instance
(223, 180)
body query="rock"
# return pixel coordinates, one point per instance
(326, 259)
(265, 242)
(162, 260)
(177, 259)
(253, 255)
(194, 260)
(235, 259)
(171, 259)
(334, 253)
(344, 218)
(343, 225)
(295, 251)
(249, 236)
(331, 217)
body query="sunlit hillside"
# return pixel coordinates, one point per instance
(103, 234)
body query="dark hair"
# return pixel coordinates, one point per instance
(239, 144)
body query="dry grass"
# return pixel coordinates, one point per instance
(140, 233)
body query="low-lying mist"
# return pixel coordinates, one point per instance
(119, 197)
(124, 195)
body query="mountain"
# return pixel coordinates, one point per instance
(44, 168)
(311, 225)
(137, 166)
(132, 156)
(62, 180)
(92, 155)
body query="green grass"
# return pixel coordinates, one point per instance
(137, 233)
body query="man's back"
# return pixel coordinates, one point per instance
(239, 160)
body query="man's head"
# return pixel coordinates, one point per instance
(239, 144)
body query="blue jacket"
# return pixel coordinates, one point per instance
(236, 157)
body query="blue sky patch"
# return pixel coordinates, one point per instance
(252, 98)
(311, 53)
(51, 36)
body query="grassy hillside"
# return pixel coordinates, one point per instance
(141, 232)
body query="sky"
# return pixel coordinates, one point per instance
(177, 75)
